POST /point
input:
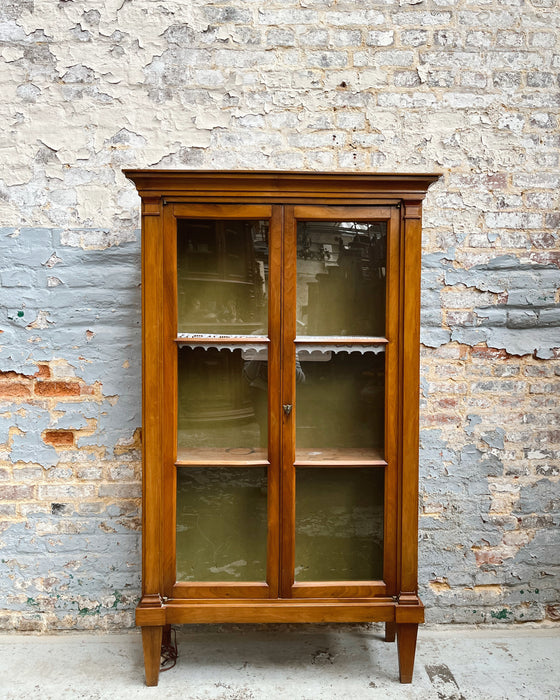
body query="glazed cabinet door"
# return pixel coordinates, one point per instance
(281, 411)
(340, 376)
(221, 368)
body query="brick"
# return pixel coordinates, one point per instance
(66, 492)
(362, 18)
(313, 37)
(544, 40)
(43, 372)
(506, 80)
(280, 37)
(120, 490)
(513, 220)
(423, 19)
(59, 438)
(16, 492)
(511, 39)
(14, 389)
(447, 37)
(394, 58)
(327, 59)
(479, 39)
(380, 38)
(12, 375)
(406, 78)
(480, 352)
(57, 388)
(288, 17)
(540, 79)
(346, 37)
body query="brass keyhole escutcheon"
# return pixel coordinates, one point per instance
(287, 408)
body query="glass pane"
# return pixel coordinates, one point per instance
(222, 276)
(340, 405)
(222, 411)
(221, 524)
(341, 278)
(339, 524)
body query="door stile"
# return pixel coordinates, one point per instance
(392, 403)
(274, 392)
(411, 269)
(152, 401)
(287, 398)
(169, 436)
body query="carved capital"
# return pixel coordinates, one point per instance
(151, 206)
(412, 208)
(151, 600)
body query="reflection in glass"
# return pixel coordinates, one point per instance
(340, 405)
(221, 524)
(341, 267)
(222, 401)
(339, 524)
(222, 276)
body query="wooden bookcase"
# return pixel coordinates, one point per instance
(280, 400)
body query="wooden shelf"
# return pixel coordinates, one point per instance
(339, 340)
(220, 339)
(340, 457)
(221, 457)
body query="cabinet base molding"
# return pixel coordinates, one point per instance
(176, 612)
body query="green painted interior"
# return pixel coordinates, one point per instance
(341, 267)
(339, 524)
(340, 401)
(221, 524)
(222, 400)
(222, 276)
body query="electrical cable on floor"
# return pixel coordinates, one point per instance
(169, 652)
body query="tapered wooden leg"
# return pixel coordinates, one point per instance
(151, 642)
(406, 643)
(390, 631)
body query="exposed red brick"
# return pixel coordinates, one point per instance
(57, 388)
(44, 372)
(59, 438)
(548, 257)
(447, 403)
(484, 353)
(12, 375)
(86, 390)
(14, 389)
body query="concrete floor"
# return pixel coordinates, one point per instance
(305, 663)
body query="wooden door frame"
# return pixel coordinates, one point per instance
(172, 588)
(390, 214)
